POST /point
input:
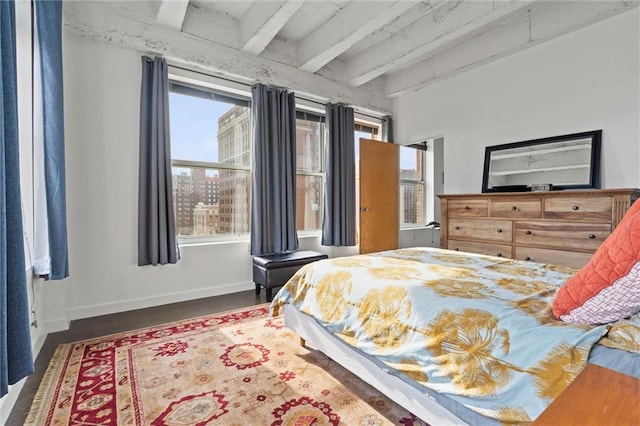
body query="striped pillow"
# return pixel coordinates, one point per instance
(608, 287)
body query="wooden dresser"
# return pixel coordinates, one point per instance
(558, 227)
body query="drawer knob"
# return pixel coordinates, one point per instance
(456, 249)
(499, 230)
(592, 236)
(527, 232)
(499, 254)
(514, 208)
(575, 208)
(527, 258)
(467, 208)
(457, 228)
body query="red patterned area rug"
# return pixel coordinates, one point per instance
(235, 368)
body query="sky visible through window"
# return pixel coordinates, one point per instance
(194, 127)
(408, 158)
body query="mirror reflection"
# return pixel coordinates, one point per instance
(570, 161)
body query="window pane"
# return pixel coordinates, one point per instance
(410, 163)
(356, 141)
(411, 203)
(210, 201)
(309, 145)
(209, 131)
(234, 139)
(308, 203)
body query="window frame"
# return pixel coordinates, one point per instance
(422, 181)
(216, 96)
(306, 114)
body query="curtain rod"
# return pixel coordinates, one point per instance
(249, 85)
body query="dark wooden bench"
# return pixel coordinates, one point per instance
(274, 270)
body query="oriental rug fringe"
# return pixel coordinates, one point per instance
(234, 368)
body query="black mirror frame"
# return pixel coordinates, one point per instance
(594, 181)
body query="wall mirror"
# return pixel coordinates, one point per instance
(563, 162)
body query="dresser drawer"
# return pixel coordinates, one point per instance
(515, 208)
(500, 250)
(481, 229)
(573, 259)
(584, 236)
(578, 208)
(557, 227)
(468, 208)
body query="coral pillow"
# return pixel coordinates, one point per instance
(608, 287)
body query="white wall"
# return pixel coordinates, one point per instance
(102, 90)
(586, 80)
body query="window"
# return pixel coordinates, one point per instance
(310, 134)
(364, 130)
(211, 159)
(211, 163)
(412, 186)
(310, 140)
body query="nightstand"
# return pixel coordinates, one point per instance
(598, 396)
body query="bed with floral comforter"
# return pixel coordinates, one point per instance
(476, 328)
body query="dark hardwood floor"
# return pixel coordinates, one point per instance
(115, 323)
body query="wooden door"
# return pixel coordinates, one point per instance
(379, 187)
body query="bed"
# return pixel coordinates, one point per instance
(452, 337)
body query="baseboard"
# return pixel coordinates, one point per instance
(37, 340)
(147, 302)
(54, 326)
(9, 400)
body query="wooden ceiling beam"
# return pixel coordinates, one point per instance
(346, 28)
(450, 23)
(536, 25)
(263, 21)
(101, 22)
(172, 13)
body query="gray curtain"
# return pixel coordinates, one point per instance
(339, 222)
(273, 189)
(49, 28)
(15, 338)
(157, 240)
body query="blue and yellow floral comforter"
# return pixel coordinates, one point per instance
(476, 328)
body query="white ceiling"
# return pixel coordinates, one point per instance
(370, 49)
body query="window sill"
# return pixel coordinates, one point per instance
(208, 241)
(243, 239)
(416, 227)
(309, 234)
